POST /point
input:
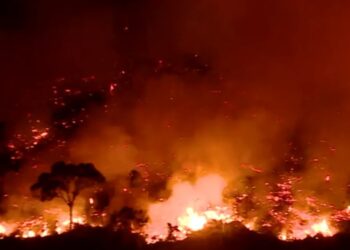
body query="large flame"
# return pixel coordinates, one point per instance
(309, 229)
(193, 206)
(190, 208)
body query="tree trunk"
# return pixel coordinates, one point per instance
(70, 216)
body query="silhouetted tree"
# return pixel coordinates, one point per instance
(66, 181)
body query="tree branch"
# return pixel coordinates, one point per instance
(61, 195)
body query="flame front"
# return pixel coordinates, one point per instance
(300, 232)
(38, 227)
(193, 207)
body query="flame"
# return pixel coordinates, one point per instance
(190, 208)
(193, 207)
(250, 225)
(310, 229)
(192, 220)
(322, 228)
(29, 234)
(2, 229)
(6, 229)
(37, 227)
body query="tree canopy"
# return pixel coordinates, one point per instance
(66, 181)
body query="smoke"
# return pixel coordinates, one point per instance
(250, 89)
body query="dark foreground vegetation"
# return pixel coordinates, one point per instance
(227, 238)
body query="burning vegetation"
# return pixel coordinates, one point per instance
(191, 207)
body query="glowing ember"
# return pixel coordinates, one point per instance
(91, 201)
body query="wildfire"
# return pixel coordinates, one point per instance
(2, 229)
(190, 208)
(299, 232)
(194, 221)
(322, 228)
(37, 227)
(6, 229)
(193, 206)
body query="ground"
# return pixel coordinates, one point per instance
(231, 238)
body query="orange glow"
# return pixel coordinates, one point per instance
(310, 229)
(192, 220)
(250, 225)
(37, 227)
(29, 234)
(322, 228)
(91, 201)
(2, 230)
(190, 208)
(6, 229)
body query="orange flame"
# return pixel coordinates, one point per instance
(190, 208)
(310, 229)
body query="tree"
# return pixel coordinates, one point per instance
(66, 181)
(129, 219)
